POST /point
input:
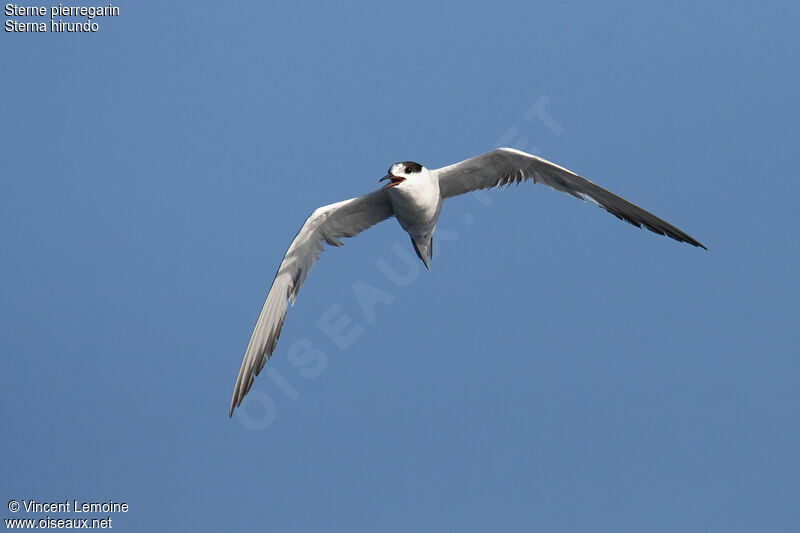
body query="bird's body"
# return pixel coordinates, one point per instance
(416, 204)
(414, 196)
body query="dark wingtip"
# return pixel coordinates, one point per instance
(690, 240)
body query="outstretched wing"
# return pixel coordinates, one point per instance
(325, 225)
(506, 165)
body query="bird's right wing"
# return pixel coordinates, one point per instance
(325, 225)
(506, 165)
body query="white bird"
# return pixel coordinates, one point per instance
(414, 196)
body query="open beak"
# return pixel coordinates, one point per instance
(394, 181)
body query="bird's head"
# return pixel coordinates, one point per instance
(400, 172)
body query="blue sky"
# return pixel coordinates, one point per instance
(558, 370)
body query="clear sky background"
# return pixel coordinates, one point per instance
(558, 370)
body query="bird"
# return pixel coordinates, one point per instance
(414, 195)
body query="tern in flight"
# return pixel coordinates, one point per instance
(414, 195)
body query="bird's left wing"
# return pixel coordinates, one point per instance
(325, 225)
(506, 165)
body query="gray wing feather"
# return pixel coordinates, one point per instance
(327, 224)
(506, 165)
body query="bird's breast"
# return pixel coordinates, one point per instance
(416, 205)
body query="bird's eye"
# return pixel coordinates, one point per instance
(408, 170)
